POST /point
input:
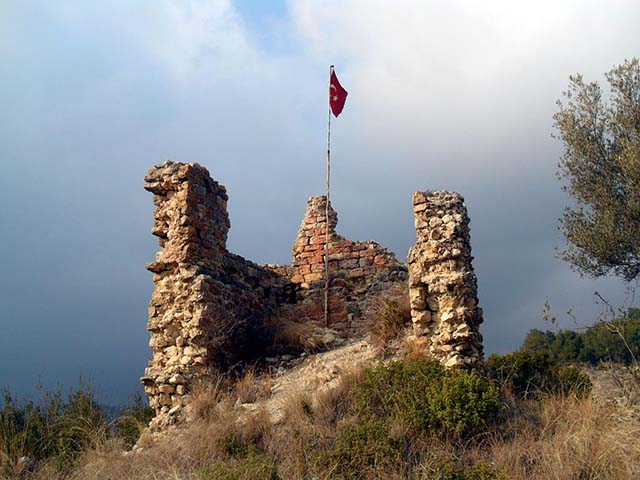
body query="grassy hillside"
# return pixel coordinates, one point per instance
(527, 418)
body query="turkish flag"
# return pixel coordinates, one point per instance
(337, 95)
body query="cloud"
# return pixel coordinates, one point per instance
(481, 72)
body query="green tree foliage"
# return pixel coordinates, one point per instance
(617, 341)
(601, 165)
(530, 374)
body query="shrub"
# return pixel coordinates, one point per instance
(363, 449)
(22, 433)
(235, 447)
(245, 461)
(53, 429)
(573, 381)
(426, 398)
(133, 421)
(440, 468)
(529, 374)
(464, 404)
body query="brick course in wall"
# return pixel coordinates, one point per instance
(359, 272)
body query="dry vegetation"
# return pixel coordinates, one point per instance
(343, 433)
(332, 417)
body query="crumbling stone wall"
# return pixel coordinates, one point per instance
(211, 309)
(208, 306)
(442, 284)
(358, 272)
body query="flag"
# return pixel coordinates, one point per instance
(337, 95)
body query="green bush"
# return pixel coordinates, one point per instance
(244, 462)
(464, 404)
(573, 381)
(58, 428)
(396, 407)
(133, 421)
(427, 398)
(22, 433)
(363, 448)
(529, 374)
(234, 447)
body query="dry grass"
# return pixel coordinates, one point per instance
(183, 453)
(390, 317)
(568, 438)
(309, 426)
(206, 396)
(250, 387)
(553, 438)
(291, 336)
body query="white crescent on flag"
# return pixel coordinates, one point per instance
(337, 95)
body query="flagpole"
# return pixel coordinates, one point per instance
(326, 208)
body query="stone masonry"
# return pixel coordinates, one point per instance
(442, 285)
(358, 273)
(209, 306)
(211, 309)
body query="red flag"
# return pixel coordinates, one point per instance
(337, 95)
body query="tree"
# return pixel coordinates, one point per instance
(538, 341)
(601, 167)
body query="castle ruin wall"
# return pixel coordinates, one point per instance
(359, 272)
(208, 306)
(211, 309)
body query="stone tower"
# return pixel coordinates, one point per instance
(442, 283)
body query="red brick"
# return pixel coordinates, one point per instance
(317, 259)
(304, 269)
(379, 260)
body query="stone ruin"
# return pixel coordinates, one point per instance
(212, 309)
(442, 285)
(359, 273)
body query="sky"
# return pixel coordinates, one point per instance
(442, 95)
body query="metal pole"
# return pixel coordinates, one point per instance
(326, 211)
